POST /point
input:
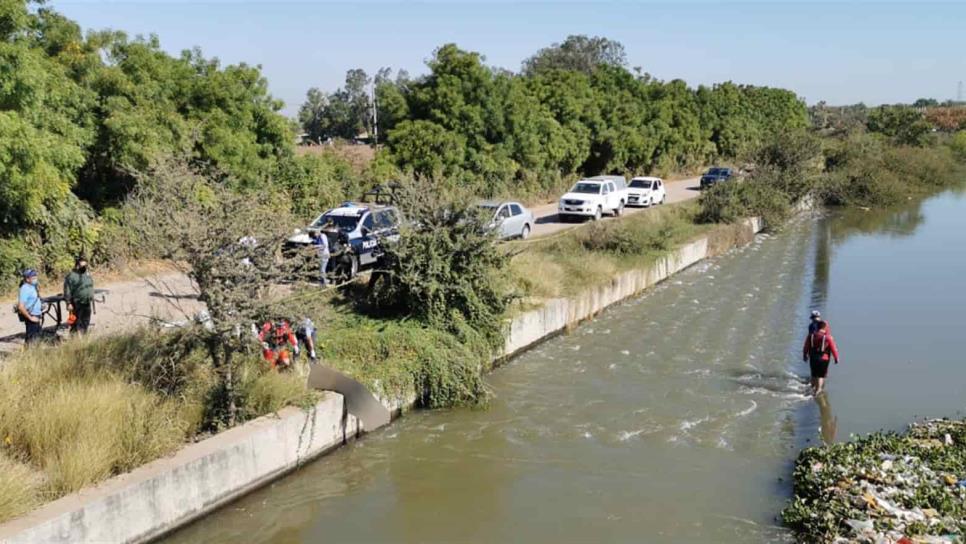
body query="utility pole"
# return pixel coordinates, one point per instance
(375, 117)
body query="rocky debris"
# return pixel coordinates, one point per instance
(884, 488)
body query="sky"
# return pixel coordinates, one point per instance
(839, 52)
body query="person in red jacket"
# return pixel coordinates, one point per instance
(819, 350)
(277, 341)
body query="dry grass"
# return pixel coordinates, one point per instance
(79, 429)
(357, 155)
(593, 254)
(75, 414)
(20, 487)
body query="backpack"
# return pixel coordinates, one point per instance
(817, 349)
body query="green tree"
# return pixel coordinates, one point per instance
(578, 53)
(904, 125)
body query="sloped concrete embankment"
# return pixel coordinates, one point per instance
(171, 492)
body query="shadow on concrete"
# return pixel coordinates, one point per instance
(172, 296)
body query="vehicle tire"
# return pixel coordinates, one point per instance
(598, 214)
(525, 233)
(663, 198)
(619, 210)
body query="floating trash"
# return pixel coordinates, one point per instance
(884, 487)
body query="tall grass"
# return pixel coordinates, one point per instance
(590, 255)
(79, 429)
(20, 487)
(74, 414)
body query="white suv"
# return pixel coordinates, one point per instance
(646, 191)
(594, 197)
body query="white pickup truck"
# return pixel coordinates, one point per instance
(593, 197)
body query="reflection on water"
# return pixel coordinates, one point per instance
(669, 418)
(829, 423)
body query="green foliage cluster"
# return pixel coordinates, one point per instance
(81, 116)
(785, 169)
(445, 268)
(904, 125)
(396, 357)
(958, 145)
(915, 471)
(860, 169)
(574, 110)
(867, 171)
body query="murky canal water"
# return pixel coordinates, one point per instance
(671, 417)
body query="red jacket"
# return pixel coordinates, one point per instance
(277, 335)
(820, 342)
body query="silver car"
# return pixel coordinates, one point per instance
(509, 219)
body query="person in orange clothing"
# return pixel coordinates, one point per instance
(278, 343)
(819, 350)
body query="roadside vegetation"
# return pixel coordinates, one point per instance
(884, 487)
(860, 168)
(580, 259)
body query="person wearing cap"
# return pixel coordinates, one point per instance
(816, 319)
(29, 306)
(818, 351)
(79, 295)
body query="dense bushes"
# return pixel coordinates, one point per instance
(445, 268)
(865, 170)
(83, 115)
(574, 110)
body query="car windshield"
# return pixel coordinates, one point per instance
(640, 184)
(342, 222)
(586, 188)
(718, 172)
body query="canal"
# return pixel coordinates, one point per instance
(673, 417)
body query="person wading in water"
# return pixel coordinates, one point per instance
(819, 350)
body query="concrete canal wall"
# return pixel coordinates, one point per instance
(171, 492)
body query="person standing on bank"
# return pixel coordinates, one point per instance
(79, 295)
(321, 243)
(30, 307)
(819, 350)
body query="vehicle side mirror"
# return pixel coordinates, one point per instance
(365, 231)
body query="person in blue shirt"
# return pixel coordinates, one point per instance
(30, 306)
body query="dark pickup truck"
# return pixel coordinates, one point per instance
(716, 175)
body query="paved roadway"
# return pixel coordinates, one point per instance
(547, 221)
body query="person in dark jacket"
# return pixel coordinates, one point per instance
(79, 295)
(819, 350)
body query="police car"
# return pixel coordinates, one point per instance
(356, 235)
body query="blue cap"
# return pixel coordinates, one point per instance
(29, 273)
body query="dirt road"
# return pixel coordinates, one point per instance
(548, 222)
(170, 296)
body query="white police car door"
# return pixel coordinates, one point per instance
(369, 242)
